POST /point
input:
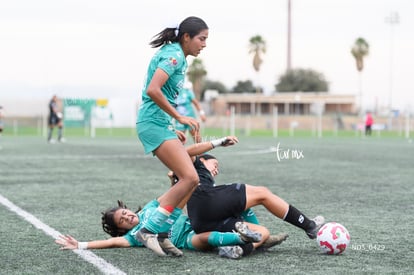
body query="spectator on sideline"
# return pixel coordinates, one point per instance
(55, 119)
(368, 124)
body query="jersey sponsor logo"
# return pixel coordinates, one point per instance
(172, 61)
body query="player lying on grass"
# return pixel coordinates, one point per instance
(122, 224)
(219, 208)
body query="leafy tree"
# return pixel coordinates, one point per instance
(213, 85)
(196, 73)
(302, 80)
(244, 87)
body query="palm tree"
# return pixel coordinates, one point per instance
(196, 72)
(257, 46)
(359, 50)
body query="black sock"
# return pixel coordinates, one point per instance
(247, 248)
(162, 236)
(295, 217)
(144, 230)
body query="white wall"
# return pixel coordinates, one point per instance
(123, 109)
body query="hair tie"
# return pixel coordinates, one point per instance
(174, 25)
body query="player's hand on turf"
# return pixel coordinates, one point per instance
(67, 242)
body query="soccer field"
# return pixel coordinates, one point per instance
(365, 184)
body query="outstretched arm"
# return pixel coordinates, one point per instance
(202, 147)
(68, 242)
(199, 148)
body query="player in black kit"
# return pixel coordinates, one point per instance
(219, 207)
(55, 119)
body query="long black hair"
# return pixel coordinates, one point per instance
(192, 25)
(108, 223)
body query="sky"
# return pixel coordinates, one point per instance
(100, 48)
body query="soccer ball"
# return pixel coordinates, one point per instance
(333, 238)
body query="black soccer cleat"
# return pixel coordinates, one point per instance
(318, 221)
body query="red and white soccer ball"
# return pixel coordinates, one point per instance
(333, 238)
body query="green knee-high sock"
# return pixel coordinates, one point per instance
(249, 216)
(224, 238)
(171, 220)
(157, 220)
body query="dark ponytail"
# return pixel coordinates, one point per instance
(164, 37)
(191, 25)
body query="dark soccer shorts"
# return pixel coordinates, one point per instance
(216, 208)
(54, 119)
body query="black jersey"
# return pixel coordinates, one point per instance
(206, 178)
(53, 116)
(52, 107)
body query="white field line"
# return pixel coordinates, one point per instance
(125, 156)
(254, 152)
(88, 256)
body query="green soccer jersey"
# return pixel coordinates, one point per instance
(185, 103)
(171, 59)
(180, 232)
(143, 215)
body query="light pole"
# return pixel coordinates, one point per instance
(289, 38)
(392, 20)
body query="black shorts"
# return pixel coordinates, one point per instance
(217, 208)
(54, 119)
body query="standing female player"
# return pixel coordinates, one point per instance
(164, 81)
